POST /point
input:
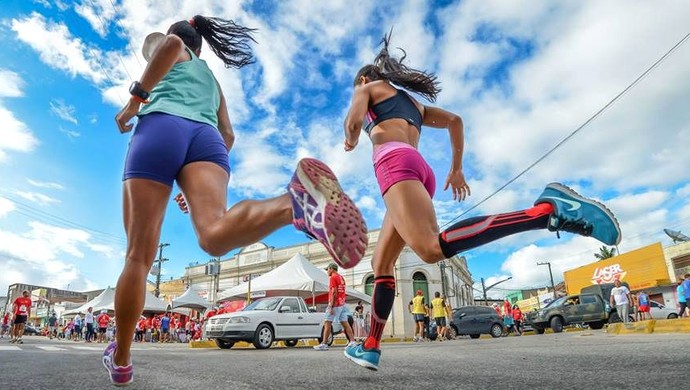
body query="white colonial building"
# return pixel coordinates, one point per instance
(411, 273)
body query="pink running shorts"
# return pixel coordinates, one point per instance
(397, 161)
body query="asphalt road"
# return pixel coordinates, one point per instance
(581, 360)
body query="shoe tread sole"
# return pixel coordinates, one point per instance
(343, 222)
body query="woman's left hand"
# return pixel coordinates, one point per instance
(126, 114)
(456, 181)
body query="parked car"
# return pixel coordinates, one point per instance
(660, 311)
(267, 320)
(589, 309)
(475, 321)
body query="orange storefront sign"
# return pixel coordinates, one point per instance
(642, 268)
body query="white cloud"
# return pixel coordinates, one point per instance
(37, 255)
(63, 111)
(44, 3)
(6, 207)
(16, 136)
(62, 6)
(99, 14)
(71, 134)
(59, 49)
(41, 199)
(43, 184)
(11, 84)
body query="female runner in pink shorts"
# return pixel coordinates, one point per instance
(393, 120)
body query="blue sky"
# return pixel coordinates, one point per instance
(521, 78)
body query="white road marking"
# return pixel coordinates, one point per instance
(49, 348)
(9, 348)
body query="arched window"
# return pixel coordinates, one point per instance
(369, 285)
(419, 282)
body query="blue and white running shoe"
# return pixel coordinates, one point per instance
(367, 358)
(576, 214)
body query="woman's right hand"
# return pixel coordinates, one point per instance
(182, 203)
(129, 111)
(350, 147)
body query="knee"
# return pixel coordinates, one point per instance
(431, 253)
(210, 243)
(211, 247)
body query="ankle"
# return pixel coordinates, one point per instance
(120, 360)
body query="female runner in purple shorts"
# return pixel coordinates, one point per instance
(393, 120)
(184, 135)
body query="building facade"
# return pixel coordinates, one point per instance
(451, 277)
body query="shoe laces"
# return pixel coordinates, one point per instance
(573, 225)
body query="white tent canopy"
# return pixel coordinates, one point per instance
(297, 276)
(106, 301)
(192, 300)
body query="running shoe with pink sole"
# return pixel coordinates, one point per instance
(119, 376)
(324, 212)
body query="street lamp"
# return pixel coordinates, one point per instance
(490, 287)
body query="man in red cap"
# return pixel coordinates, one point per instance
(416, 307)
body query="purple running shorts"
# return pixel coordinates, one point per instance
(162, 144)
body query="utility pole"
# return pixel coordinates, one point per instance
(160, 260)
(485, 289)
(442, 266)
(553, 287)
(214, 272)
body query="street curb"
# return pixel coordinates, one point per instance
(203, 344)
(678, 325)
(681, 325)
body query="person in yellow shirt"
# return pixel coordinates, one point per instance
(416, 308)
(438, 310)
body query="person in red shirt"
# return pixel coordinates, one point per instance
(103, 320)
(141, 329)
(20, 307)
(5, 325)
(212, 312)
(517, 317)
(336, 310)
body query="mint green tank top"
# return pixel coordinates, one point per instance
(189, 90)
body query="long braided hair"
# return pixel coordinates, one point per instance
(393, 70)
(228, 40)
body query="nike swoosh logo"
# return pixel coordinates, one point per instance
(573, 204)
(359, 353)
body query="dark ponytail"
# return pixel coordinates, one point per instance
(388, 68)
(228, 40)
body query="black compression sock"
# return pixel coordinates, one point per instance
(477, 231)
(381, 306)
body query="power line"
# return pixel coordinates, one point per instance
(122, 28)
(32, 212)
(572, 134)
(105, 29)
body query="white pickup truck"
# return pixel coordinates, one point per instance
(267, 320)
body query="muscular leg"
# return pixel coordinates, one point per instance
(219, 230)
(144, 207)
(415, 225)
(386, 253)
(419, 229)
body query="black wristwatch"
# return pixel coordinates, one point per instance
(136, 90)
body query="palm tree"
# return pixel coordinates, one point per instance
(605, 253)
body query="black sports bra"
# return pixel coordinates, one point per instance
(399, 105)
